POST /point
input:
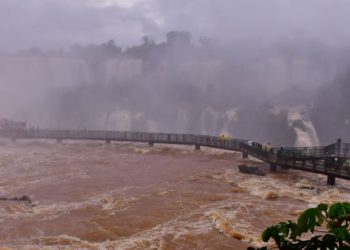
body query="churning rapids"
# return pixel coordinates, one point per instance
(90, 195)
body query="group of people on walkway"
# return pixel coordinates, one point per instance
(267, 147)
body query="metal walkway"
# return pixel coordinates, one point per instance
(332, 160)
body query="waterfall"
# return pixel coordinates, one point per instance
(304, 128)
(117, 120)
(182, 121)
(209, 121)
(122, 70)
(40, 75)
(228, 117)
(125, 120)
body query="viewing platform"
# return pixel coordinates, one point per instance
(332, 160)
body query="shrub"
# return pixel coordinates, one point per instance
(301, 235)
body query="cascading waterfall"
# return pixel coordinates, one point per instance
(304, 128)
(41, 75)
(182, 121)
(125, 120)
(229, 117)
(122, 70)
(209, 121)
(68, 72)
(117, 120)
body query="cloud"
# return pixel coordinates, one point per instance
(258, 19)
(56, 23)
(119, 3)
(51, 23)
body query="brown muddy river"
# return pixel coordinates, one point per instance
(91, 195)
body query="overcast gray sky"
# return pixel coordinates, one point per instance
(61, 23)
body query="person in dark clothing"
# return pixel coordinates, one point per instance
(338, 146)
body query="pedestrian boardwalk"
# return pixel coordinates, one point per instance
(108, 136)
(332, 160)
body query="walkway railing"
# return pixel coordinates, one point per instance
(166, 138)
(332, 160)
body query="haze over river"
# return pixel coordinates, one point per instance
(92, 195)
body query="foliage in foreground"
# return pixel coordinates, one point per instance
(301, 235)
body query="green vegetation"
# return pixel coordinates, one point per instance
(330, 222)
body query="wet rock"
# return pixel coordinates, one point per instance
(238, 190)
(236, 235)
(24, 198)
(316, 189)
(250, 170)
(271, 196)
(307, 187)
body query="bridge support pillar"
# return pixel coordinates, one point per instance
(244, 155)
(273, 167)
(151, 143)
(330, 180)
(197, 147)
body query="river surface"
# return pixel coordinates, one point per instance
(92, 195)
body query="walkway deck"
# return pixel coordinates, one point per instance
(332, 160)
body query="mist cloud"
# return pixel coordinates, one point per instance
(52, 23)
(258, 69)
